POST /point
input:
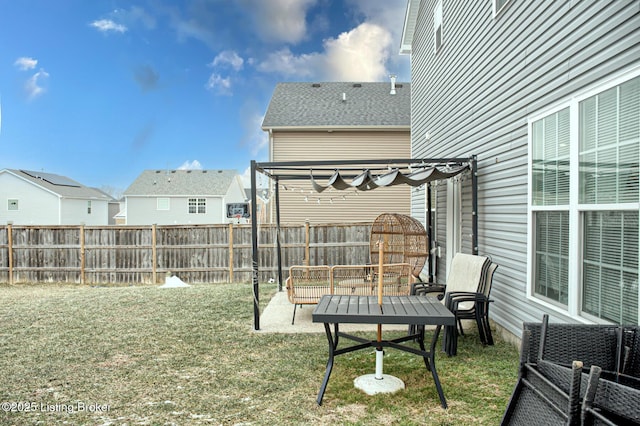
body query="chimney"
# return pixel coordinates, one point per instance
(393, 84)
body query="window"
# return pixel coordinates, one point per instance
(550, 186)
(12, 204)
(593, 185)
(498, 6)
(89, 207)
(162, 204)
(437, 26)
(197, 205)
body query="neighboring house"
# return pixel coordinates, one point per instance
(168, 197)
(113, 209)
(547, 95)
(339, 121)
(38, 198)
(262, 203)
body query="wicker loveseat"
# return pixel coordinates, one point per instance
(307, 284)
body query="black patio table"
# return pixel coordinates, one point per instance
(411, 310)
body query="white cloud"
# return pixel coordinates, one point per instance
(219, 84)
(134, 15)
(33, 86)
(193, 165)
(107, 25)
(24, 63)
(254, 137)
(288, 64)
(389, 14)
(280, 20)
(228, 58)
(357, 55)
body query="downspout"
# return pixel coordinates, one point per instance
(254, 251)
(429, 234)
(474, 202)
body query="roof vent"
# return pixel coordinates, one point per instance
(315, 85)
(357, 85)
(393, 84)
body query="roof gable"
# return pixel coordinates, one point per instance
(58, 184)
(410, 20)
(344, 104)
(181, 183)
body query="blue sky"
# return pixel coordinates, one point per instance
(101, 90)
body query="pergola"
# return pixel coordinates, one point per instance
(363, 175)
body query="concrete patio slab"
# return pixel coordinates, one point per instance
(276, 318)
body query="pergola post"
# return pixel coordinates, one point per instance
(279, 247)
(299, 170)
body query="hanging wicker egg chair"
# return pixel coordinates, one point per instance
(404, 238)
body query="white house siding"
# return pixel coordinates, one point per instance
(35, 206)
(235, 194)
(144, 211)
(476, 95)
(75, 211)
(340, 145)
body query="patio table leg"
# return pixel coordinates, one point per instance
(430, 362)
(333, 343)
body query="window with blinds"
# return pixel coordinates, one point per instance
(550, 186)
(608, 180)
(604, 201)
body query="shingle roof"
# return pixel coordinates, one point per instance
(181, 182)
(322, 105)
(60, 185)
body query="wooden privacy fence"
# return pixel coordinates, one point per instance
(194, 253)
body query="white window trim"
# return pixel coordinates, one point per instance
(198, 201)
(438, 19)
(158, 206)
(498, 11)
(573, 308)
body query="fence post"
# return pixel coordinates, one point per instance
(10, 248)
(154, 257)
(230, 252)
(307, 243)
(82, 254)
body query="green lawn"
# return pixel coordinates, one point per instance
(144, 355)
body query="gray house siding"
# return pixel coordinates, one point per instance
(476, 94)
(143, 210)
(162, 197)
(76, 211)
